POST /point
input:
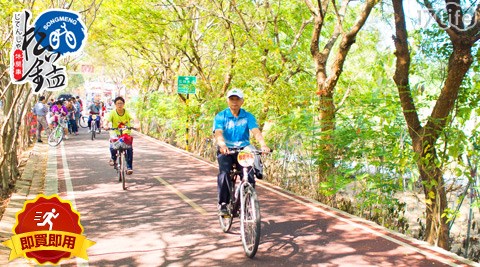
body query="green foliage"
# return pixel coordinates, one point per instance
(433, 45)
(450, 214)
(162, 115)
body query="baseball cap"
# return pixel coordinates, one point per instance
(235, 92)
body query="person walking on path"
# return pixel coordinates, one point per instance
(40, 110)
(78, 108)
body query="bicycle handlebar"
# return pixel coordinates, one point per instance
(257, 152)
(121, 128)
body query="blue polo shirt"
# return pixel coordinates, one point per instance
(236, 131)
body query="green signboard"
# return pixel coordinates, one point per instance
(186, 84)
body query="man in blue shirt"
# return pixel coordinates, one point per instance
(232, 127)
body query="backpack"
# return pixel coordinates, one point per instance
(258, 167)
(257, 164)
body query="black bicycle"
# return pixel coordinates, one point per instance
(121, 147)
(93, 126)
(243, 203)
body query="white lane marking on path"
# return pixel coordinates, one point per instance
(70, 195)
(182, 196)
(68, 178)
(365, 228)
(312, 206)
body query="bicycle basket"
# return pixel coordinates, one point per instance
(127, 139)
(119, 144)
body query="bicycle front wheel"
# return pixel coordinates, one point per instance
(55, 136)
(250, 221)
(124, 164)
(121, 169)
(83, 121)
(93, 130)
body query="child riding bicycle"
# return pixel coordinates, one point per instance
(58, 113)
(118, 118)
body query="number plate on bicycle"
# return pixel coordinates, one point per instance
(246, 158)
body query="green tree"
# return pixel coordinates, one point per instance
(328, 72)
(425, 137)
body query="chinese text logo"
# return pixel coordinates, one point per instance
(36, 48)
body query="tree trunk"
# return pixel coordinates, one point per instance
(327, 126)
(5, 139)
(326, 83)
(9, 134)
(436, 230)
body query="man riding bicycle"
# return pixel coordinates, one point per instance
(232, 128)
(117, 118)
(94, 109)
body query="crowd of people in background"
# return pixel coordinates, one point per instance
(51, 112)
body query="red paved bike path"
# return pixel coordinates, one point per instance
(167, 217)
